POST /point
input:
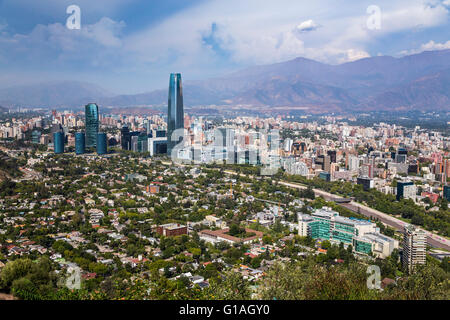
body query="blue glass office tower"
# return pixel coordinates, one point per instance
(58, 142)
(80, 143)
(102, 143)
(92, 124)
(447, 192)
(175, 114)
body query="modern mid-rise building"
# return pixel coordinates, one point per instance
(102, 143)
(80, 143)
(35, 136)
(175, 112)
(414, 247)
(142, 143)
(157, 146)
(366, 182)
(125, 138)
(362, 235)
(406, 189)
(324, 161)
(353, 163)
(58, 142)
(92, 124)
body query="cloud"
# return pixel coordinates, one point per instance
(435, 46)
(306, 26)
(214, 37)
(429, 46)
(55, 44)
(353, 55)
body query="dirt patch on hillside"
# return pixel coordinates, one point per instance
(4, 296)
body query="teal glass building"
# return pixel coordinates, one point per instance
(92, 124)
(80, 143)
(175, 112)
(447, 192)
(35, 137)
(102, 143)
(58, 141)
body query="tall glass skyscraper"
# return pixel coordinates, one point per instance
(102, 143)
(58, 141)
(80, 143)
(175, 114)
(92, 124)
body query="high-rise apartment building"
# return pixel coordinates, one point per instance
(175, 112)
(414, 247)
(92, 124)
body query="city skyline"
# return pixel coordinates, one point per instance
(299, 152)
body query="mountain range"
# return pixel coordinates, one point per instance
(414, 82)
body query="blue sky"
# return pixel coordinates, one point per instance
(131, 46)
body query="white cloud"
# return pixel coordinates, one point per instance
(55, 43)
(429, 46)
(436, 46)
(353, 55)
(308, 25)
(249, 32)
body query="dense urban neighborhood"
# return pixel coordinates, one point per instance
(92, 207)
